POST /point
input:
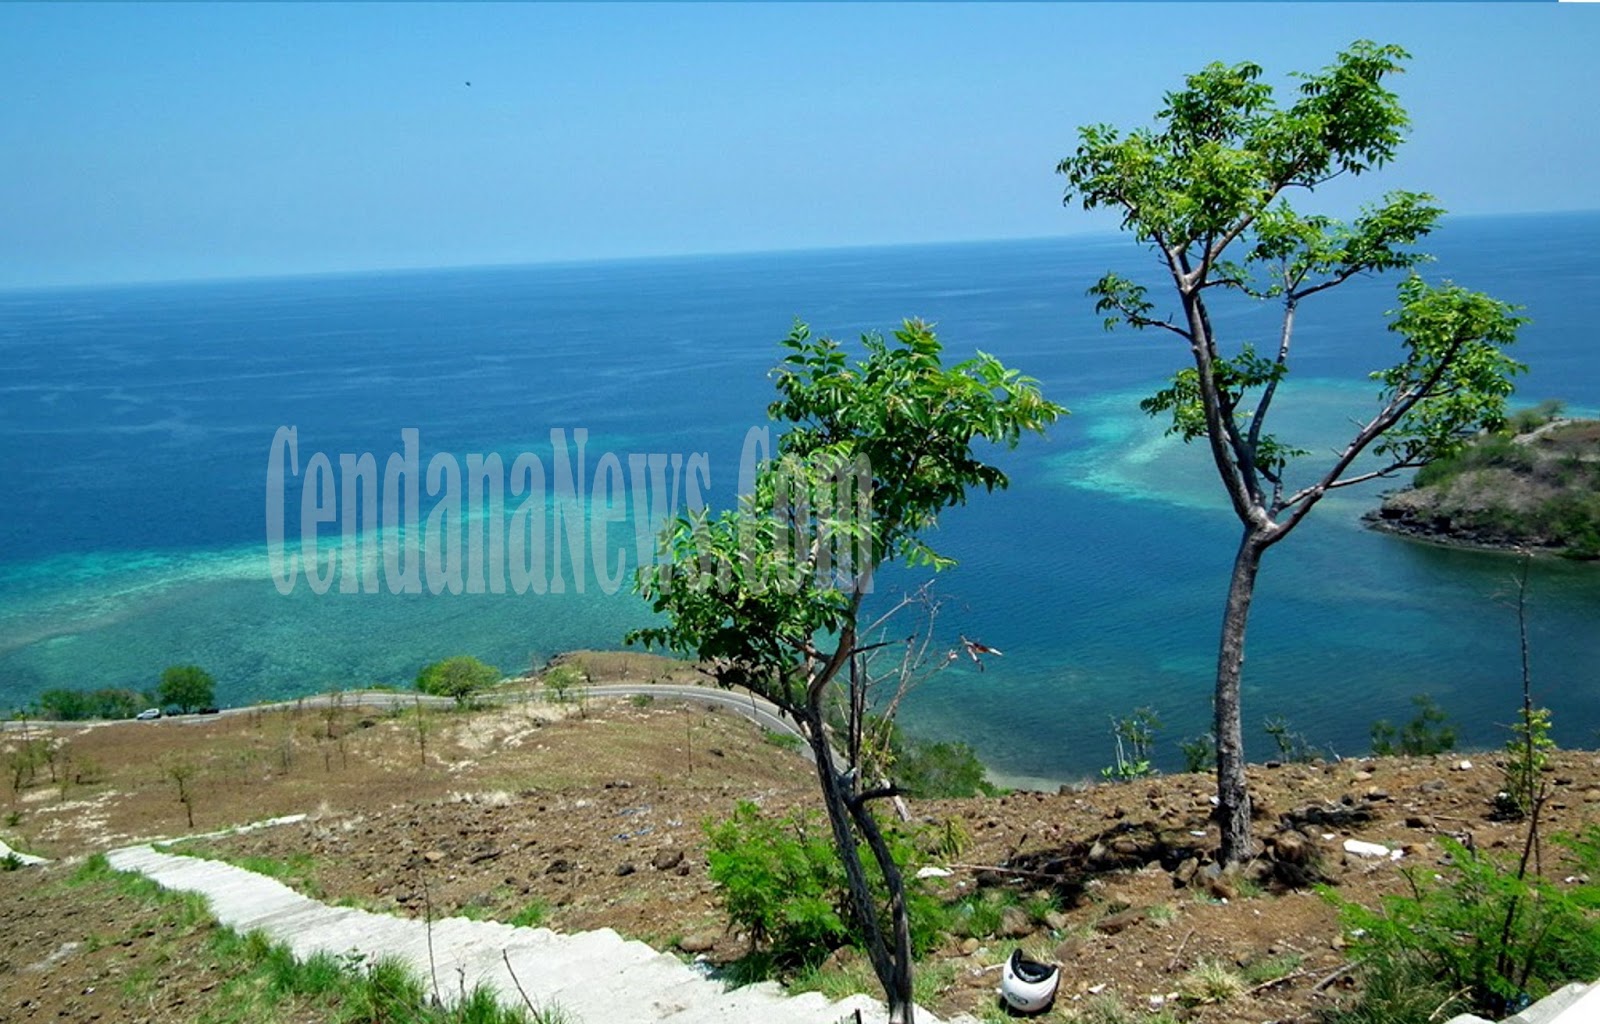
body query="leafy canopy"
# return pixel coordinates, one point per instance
(461, 677)
(1206, 187)
(871, 453)
(189, 687)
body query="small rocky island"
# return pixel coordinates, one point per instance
(1534, 486)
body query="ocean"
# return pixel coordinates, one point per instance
(140, 421)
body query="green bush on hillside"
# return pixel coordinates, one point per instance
(1476, 935)
(187, 687)
(462, 677)
(781, 882)
(65, 705)
(1427, 733)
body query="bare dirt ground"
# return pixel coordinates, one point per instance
(582, 816)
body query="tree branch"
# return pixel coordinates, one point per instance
(1402, 403)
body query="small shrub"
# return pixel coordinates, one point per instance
(938, 770)
(1134, 735)
(1500, 937)
(1427, 733)
(1040, 905)
(951, 839)
(976, 916)
(641, 700)
(1525, 421)
(1271, 968)
(778, 880)
(1162, 914)
(533, 914)
(1399, 988)
(1199, 753)
(1292, 746)
(781, 740)
(1210, 982)
(1527, 753)
(781, 881)
(563, 682)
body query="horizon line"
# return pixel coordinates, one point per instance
(590, 261)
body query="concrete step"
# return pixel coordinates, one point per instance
(595, 977)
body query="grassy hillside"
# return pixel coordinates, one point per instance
(1536, 486)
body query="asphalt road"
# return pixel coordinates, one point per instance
(763, 713)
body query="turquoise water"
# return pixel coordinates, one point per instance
(138, 423)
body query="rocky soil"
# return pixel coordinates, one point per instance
(597, 819)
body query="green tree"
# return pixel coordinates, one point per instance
(769, 595)
(64, 705)
(190, 687)
(462, 677)
(1205, 190)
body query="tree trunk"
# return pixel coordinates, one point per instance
(836, 799)
(1233, 795)
(898, 984)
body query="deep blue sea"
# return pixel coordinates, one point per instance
(137, 424)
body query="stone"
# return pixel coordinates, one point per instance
(1371, 851)
(1114, 924)
(702, 942)
(1056, 921)
(1291, 847)
(969, 946)
(1014, 924)
(1222, 888)
(1186, 872)
(625, 869)
(666, 860)
(1066, 950)
(1419, 821)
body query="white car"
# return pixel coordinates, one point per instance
(148, 714)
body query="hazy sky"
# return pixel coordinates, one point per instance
(151, 142)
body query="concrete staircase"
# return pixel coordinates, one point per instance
(595, 977)
(1571, 1004)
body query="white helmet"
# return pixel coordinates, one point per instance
(1028, 985)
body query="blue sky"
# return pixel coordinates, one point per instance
(146, 142)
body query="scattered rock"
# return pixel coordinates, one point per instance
(1014, 924)
(969, 946)
(1114, 924)
(625, 869)
(666, 860)
(702, 942)
(1371, 851)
